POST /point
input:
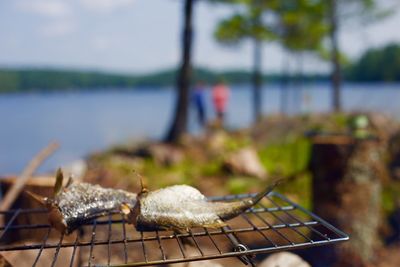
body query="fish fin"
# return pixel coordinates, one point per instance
(40, 199)
(266, 191)
(143, 185)
(69, 182)
(59, 182)
(216, 224)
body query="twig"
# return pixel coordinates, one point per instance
(19, 184)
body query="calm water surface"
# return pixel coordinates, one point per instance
(83, 122)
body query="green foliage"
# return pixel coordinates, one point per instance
(238, 184)
(9, 81)
(390, 194)
(377, 65)
(49, 80)
(231, 30)
(286, 158)
(246, 23)
(300, 189)
(302, 26)
(298, 25)
(234, 143)
(237, 27)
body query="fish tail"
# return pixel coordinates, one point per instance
(266, 191)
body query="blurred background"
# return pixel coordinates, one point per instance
(196, 91)
(95, 73)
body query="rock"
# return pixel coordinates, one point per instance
(166, 154)
(245, 162)
(192, 252)
(216, 141)
(284, 259)
(163, 154)
(384, 125)
(204, 264)
(207, 263)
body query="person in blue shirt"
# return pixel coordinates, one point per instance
(198, 99)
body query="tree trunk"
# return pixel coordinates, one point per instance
(284, 85)
(179, 125)
(347, 176)
(336, 69)
(257, 81)
(298, 99)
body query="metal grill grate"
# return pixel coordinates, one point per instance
(275, 224)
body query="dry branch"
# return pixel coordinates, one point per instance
(16, 189)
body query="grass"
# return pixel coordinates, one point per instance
(240, 184)
(286, 158)
(288, 155)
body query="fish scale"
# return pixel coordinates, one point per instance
(81, 202)
(181, 207)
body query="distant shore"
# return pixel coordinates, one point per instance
(59, 80)
(53, 79)
(375, 65)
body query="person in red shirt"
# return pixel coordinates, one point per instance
(220, 96)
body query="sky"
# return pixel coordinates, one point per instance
(139, 36)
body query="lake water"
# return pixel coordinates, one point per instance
(83, 122)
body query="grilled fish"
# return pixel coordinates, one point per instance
(77, 203)
(181, 207)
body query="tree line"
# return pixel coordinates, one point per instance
(375, 65)
(51, 80)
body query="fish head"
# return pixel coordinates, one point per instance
(57, 220)
(55, 216)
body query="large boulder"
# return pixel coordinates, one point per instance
(245, 162)
(216, 141)
(284, 259)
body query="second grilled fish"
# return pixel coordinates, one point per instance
(181, 207)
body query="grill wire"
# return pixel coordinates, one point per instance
(275, 224)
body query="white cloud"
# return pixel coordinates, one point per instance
(106, 5)
(59, 28)
(48, 8)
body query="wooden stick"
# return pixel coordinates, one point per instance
(19, 184)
